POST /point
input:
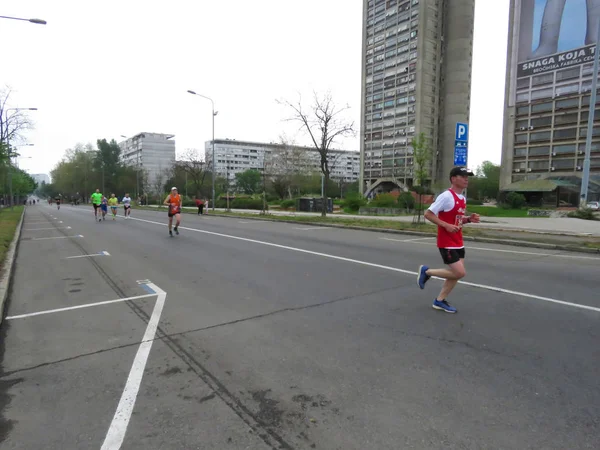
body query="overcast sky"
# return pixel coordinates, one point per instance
(102, 69)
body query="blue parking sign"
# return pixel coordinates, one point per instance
(462, 132)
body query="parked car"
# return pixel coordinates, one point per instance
(595, 206)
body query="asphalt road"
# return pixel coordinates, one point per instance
(277, 335)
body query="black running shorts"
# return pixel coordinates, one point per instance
(452, 255)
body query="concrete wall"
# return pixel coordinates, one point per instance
(456, 77)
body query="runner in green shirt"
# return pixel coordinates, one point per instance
(96, 201)
(113, 202)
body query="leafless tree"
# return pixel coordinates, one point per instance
(13, 123)
(193, 164)
(324, 123)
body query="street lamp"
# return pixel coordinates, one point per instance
(214, 113)
(36, 21)
(9, 153)
(585, 180)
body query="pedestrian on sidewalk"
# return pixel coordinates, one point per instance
(200, 205)
(448, 212)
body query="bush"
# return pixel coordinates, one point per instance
(285, 204)
(406, 200)
(353, 202)
(384, 201)
(514, 200)
(583, 213)
(473, 202)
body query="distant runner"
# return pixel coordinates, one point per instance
(448, 213)
(173, 200)
(113, 202)
(96, 202)
(57, 202)
(104, 207)
(127, 205)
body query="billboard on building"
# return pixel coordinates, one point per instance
(556, 34)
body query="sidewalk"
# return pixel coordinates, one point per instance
(543, 225)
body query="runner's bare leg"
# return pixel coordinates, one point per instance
(455, 272)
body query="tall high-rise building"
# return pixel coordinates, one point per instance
(551, 47)
(416, 78)
(152, 153)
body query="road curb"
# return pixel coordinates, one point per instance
(516, 243)
(6, 278)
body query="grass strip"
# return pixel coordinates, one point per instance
(8, 224)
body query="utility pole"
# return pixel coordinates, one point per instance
(585, 180)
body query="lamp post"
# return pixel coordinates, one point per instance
(9, 152)
(585, 179)
(214, 113)
(36, 21)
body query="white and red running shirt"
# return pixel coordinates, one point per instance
(451, 208)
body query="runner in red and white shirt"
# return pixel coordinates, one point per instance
(448, 212)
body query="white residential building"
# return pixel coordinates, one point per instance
(152, 153)
(233, 156)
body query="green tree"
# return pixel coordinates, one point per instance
(249, 182)
(422, 158)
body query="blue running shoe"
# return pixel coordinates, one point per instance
(443, 305)
(422, 276)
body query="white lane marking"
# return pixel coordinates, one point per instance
(241, 221)
(118, 427)
(380, 266)
(555, 255)
(70, 308)
(102, 253)
(408, 240)
(58, 237)
(43, 229)
(310, 228)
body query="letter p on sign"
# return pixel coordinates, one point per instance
(462, 132)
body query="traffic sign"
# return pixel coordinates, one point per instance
(460, 153)
(462, 132)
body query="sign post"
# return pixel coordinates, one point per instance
(461, 144)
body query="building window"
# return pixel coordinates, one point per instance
(520, 152)
(542, 136)
(539, 165)
(567, 74)
(567, 103)
(539, 80)
(541, 122)
(563, 164)
(566, 118)
(521, 138)
(583, 132)
(558, 149)
(539, 151)
(541, 107)
(522, 110)
(568, 89)
(567, 133)
(541, 93)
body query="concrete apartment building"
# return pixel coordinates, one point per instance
(416, 78)
(233, 156)
(547, 98)
(150, 152)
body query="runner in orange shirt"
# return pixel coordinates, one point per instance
(173, 201)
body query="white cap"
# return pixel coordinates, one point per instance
(173, 188)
